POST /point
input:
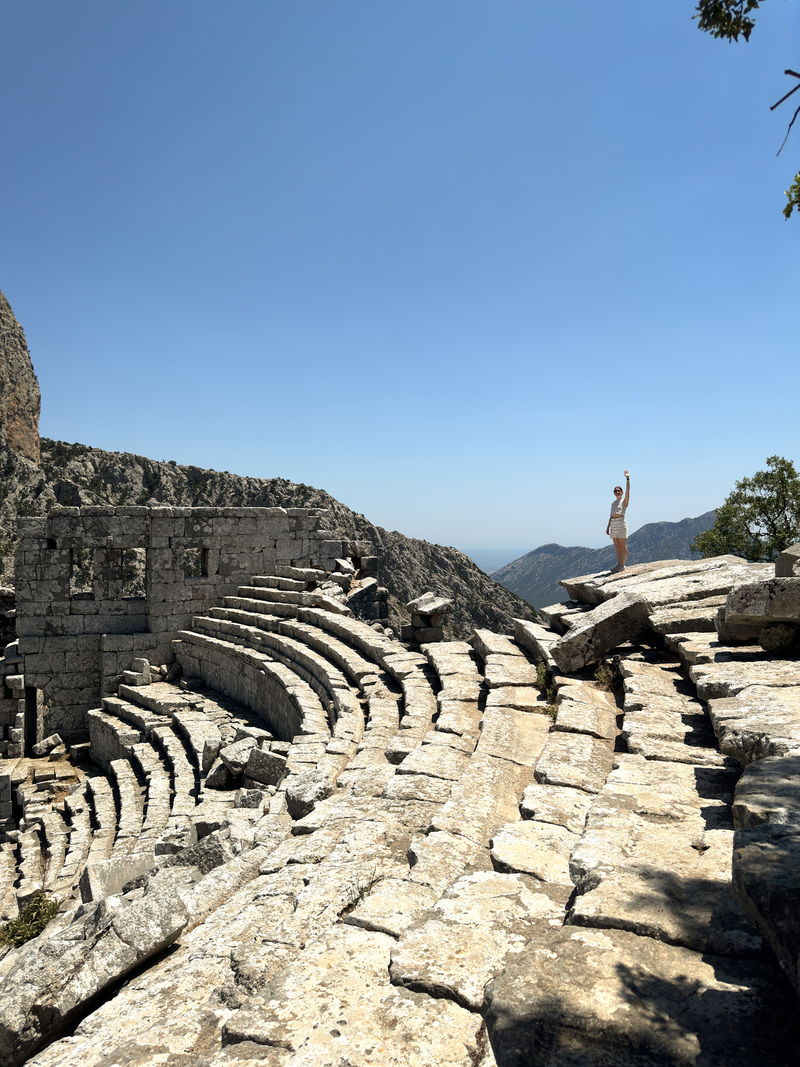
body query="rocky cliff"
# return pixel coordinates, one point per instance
(74, 475)
(20, 400)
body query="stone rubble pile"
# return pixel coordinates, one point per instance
(314, 844)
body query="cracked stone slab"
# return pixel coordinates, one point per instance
(521, 697)
(483, 799)
(631, 1001)
(334, 1004)
(439, 858)
(576, 760)
(509, 670)
(513, 735)
(438, 761)
(759, 721)
(558, 805)
(466, 938)
(538, 849)
(46, 982)
(392, 905)
(581, 717)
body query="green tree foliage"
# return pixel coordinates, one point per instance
(760, 518)
(730, 20)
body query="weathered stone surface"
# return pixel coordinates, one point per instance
(766, 882)
(601, 630)
(483, 799)
(696, 616)
(787, 565)
(634, 1002)
(726, 678)
(464, 941)
(768, 791)
(522, 697)
(513, 735)
(576, 760)
(508, 670)
(654, 858)
(20, 399)
(235, 756)
(579, 716)
(761, 720)
(778, 636)
(47, 982)
(541, 850)
(341, 979)
(264, 765)
(439, 858)
(770, 600)
(559, 805)
(304, 790)
(392, 905)
(439, 761)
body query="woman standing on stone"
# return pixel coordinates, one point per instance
(617, 528)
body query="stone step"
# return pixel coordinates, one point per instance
(286, 703)
(274, 581)
(55, 839)
(102, 815)
(130, 796)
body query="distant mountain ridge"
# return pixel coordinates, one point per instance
(535, 575)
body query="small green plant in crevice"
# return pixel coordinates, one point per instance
(541, 675)
(33, 918)
(603, 677)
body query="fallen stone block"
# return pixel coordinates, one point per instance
(599, 631)
(304, 790)
(45, 747)
(265, 765)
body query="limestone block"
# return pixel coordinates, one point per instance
(759, 721)
(341, 977)
(439, 858)
(787, 565)
(586, 716)
(513, 735)
(768, 792)
(607, 998)
(50, 981)
(107, 877)
(509, 670)
(601, 630)
(540, 850)
(237, 755)
(265, 765)
(463, 943)
(578, 761)
(558, 805)
(522, 697)
(770, 600)
(766, 882)
(304, 790)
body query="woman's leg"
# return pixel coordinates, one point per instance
(621, 546)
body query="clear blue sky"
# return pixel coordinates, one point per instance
(457, 262)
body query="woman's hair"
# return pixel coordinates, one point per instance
(617, 488)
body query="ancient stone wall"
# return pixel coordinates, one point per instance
(99, 586)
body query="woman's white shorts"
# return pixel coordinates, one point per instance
(619, 528)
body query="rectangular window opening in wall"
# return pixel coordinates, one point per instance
(134, 572)
(81, 575)
(195, 563)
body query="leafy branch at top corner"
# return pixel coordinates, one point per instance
(726, 18)
(730, 20)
